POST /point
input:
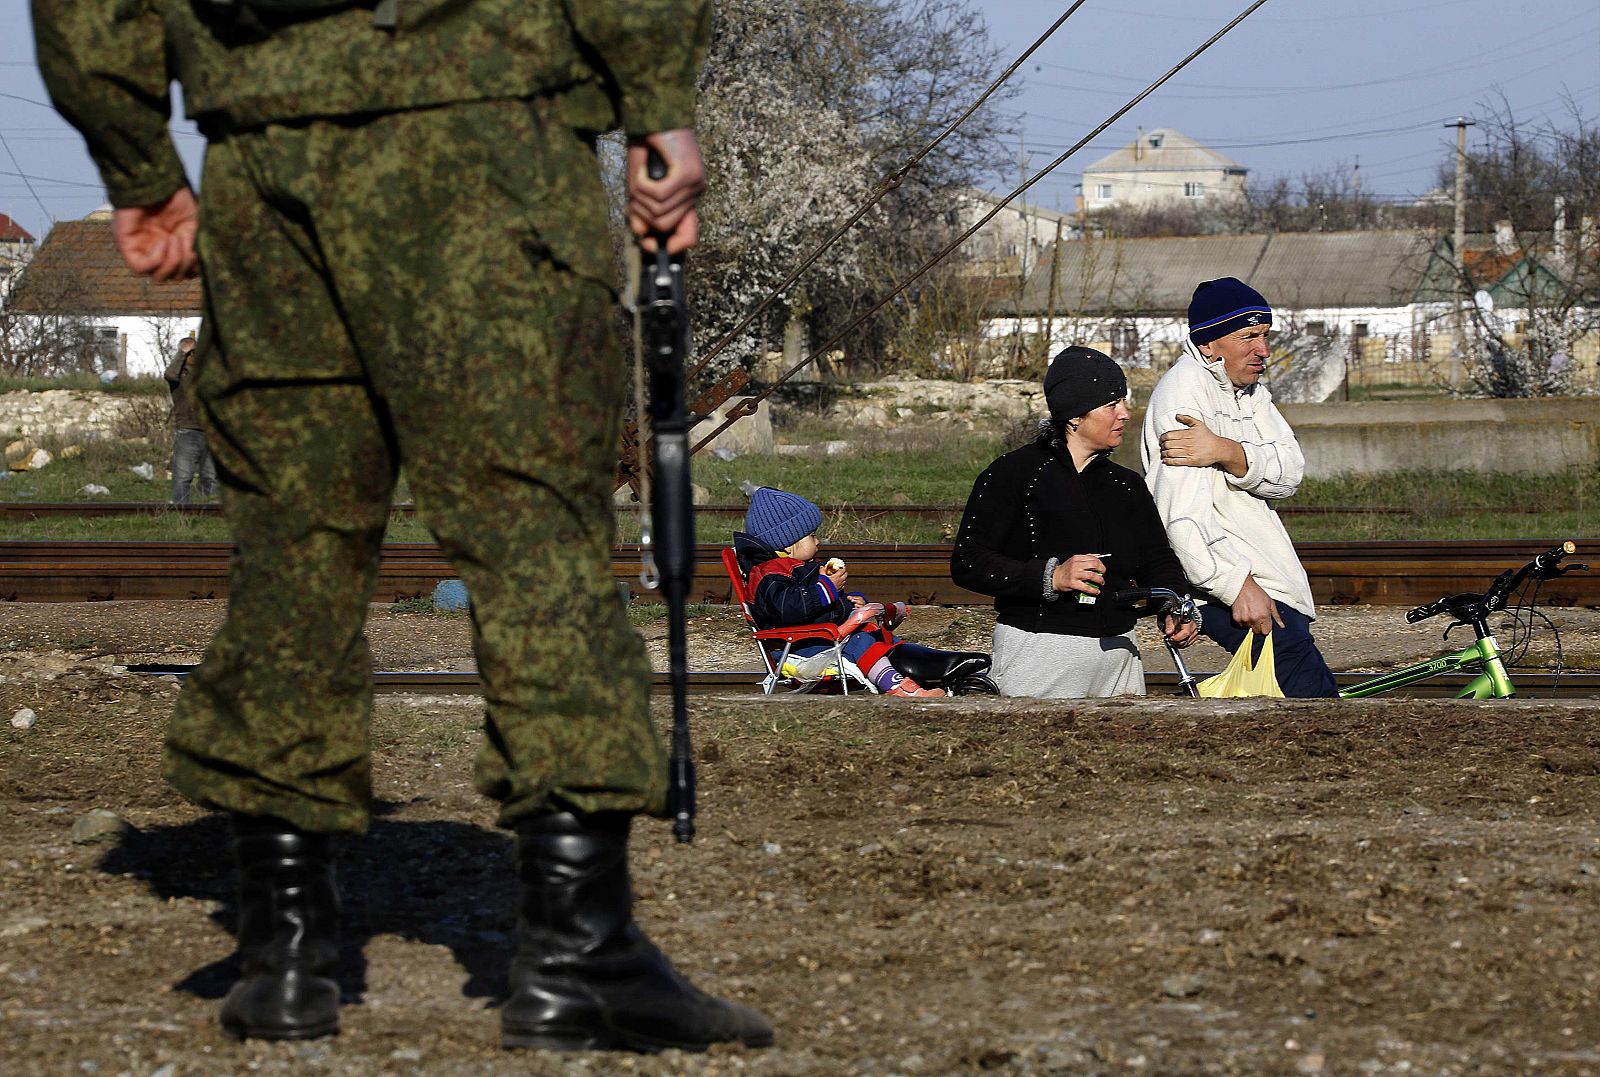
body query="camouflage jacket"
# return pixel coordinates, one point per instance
(108, 65)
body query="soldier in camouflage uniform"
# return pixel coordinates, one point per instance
(406, 259)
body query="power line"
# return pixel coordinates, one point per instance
(1210, 89)
(894, 180)
(1000, 204)
(47, 179)
(26, 181)
(1385, 132)
(28, 101)
(1427, 109)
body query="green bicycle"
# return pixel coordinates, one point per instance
(1484, 656)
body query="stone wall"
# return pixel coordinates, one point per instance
(68, 414)
(972, 405)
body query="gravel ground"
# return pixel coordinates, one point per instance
(913, 888)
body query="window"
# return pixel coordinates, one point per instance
(1317, 329)
(99, 348)
(1155, 142)
(1103, 191)
(1194, 190)
(1124, 341)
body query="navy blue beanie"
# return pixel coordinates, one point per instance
(1223, 306)
(780, 519)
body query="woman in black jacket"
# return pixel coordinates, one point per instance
(1053, 529)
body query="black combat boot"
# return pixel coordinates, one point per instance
(288, 928)
(585, 978)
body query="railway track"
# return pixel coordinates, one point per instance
(1342, 573)
(1580, 685)
(46, 510)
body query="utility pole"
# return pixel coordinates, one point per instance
(1050, 302)
(1459, 242)
(1023, 245)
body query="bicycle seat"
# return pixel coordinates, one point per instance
(934, 668)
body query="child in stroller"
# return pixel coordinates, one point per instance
(789, 586)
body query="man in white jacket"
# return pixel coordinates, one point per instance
(1217, 454)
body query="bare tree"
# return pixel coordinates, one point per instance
(804, 110)
(42, 332)
(1534, 272)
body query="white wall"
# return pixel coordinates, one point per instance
(149, 342)
(1152, 186)
(1380, 321)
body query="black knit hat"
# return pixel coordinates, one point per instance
(1223, 306)
(1081, 379)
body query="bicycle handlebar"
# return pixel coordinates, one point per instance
(1546, 565)
(1162, 600)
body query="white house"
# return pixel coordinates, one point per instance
(1359, 307)
(78, 299)
(1012, 242)
(16, 251)
(1162, 166)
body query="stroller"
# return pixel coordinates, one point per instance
(957, 672)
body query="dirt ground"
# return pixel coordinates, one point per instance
(959, 886)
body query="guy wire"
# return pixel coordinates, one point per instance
(748, 406)
(893, 180)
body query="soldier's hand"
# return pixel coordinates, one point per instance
(158, 240)
(666, 206)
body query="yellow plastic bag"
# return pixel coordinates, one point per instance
(1243, 679)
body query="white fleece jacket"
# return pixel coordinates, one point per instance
(1224, 528)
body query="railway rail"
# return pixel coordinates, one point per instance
(46, 510)
(1342, 573)
(1578, 685)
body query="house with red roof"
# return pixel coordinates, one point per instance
(76, 284)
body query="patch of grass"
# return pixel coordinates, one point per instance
(1453, 505)
(157, 525)
(879, 471)
(926, 464)
(105, 462)
(643, 613)
(419, 604)
(86, 382)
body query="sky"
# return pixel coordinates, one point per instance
(1301, 86)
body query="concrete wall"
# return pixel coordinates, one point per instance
(1537, 436)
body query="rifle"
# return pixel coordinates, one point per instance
(662, 312)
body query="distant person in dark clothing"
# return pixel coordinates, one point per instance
(1052, 529)
(190, 457)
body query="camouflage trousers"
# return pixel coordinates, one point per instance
(432, 289)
